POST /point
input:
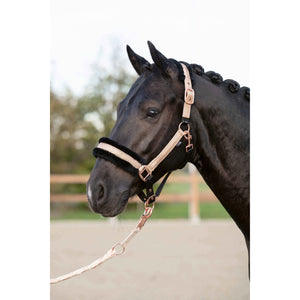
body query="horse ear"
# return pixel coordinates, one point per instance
(138, 62)
(161, 61)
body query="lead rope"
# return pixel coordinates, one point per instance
(117, 249)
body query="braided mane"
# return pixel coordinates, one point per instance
(232, 85)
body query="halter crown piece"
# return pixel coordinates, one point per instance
(134, 164)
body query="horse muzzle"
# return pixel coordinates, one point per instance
(105, 194)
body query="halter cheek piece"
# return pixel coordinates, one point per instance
(136, 165)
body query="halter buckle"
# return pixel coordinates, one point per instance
(189, 96)
(145, 173)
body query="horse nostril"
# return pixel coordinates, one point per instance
(100, 191)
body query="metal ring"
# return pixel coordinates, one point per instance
(148, 211)
(185, 123)
(118, 249)
(147, 203)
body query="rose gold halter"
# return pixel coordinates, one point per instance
(145, 171)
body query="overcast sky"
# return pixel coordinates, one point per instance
(214, 34)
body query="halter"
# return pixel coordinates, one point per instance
(136, 165)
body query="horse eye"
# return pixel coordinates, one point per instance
(152, 112)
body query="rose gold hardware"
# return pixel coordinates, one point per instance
(189, 96)
(189, 147)
(118, 249)
(147, 213)
(184, 123)
(147, 176)
(147, 205)
(187, 136)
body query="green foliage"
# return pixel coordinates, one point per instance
(72, 138)
(76, 123)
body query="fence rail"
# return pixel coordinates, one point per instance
(193, 197)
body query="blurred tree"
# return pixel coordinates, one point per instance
(76, 123)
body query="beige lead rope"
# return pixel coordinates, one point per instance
(117, 249)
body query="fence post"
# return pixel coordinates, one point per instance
(114, 221)
(194, 204)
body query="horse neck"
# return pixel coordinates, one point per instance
(220, 121)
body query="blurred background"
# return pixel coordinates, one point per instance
(90, 74)
(190, 249)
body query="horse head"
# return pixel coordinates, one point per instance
(147, 118)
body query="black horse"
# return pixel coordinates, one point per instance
(149, 116)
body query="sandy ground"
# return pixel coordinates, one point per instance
(166, 260)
